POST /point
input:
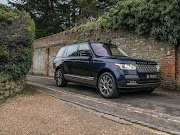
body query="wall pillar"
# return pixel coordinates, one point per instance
(47, 62)
(168, 68)
(178, 67)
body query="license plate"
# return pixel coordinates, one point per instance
(151, 76)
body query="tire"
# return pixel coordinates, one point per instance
(107, 85)
(59, 77)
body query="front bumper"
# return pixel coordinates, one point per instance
(138, 82)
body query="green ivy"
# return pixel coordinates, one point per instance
(159, 18)
(17, 33)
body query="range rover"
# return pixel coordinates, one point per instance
(106, 67)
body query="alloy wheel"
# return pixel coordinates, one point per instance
(106, 85)
(59, 77)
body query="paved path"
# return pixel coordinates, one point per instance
(160, 110)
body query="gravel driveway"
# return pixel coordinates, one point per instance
(42, 114)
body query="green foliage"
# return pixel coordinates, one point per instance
(159, 18)
(16, 38)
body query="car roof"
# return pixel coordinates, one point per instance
(90, 43)
(101, 43)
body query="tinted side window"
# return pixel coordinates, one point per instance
(72, 50)
(83, 47)
(61, 52)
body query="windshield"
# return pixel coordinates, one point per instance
(105, 49)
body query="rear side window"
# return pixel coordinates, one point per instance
(61, 52)
(72, 50)
(83, 47)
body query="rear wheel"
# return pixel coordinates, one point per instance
(107, 85)
(60, 80)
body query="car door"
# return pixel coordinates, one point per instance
(84, 65)
(70, 60)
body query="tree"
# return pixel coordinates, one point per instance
(48, 15)
(53, 16)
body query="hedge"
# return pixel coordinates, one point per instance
(17, 33)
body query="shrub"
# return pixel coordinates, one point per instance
(17, 33)
(159, 18)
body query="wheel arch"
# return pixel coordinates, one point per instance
(58, 67)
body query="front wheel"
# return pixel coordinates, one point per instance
(59, 77)
(107, 85)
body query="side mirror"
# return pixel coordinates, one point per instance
(86, 53)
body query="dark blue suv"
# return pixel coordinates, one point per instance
(106, 67)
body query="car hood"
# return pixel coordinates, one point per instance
(128, 60)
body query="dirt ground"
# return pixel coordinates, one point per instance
(38, 114)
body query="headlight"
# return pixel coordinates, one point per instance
(126, 66)
(158, 68)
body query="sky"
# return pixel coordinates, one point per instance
(3, 1)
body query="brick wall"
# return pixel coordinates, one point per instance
(167, 56)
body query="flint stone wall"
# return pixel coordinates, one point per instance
(140, 47)
(9, 87)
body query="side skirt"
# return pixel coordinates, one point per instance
(90, 81)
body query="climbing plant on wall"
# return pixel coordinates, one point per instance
(17, 33)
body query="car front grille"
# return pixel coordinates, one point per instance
(146, 68)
